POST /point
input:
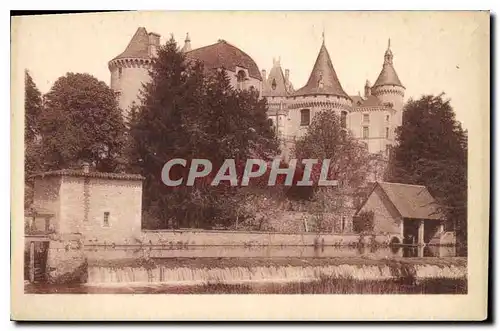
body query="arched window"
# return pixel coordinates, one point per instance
(305, 117)
(270, 121)
(120, 72)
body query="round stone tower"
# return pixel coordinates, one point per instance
(129, 70)
(388, 88)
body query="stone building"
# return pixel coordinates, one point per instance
(408, 213)
(99, 207)
(372, 117)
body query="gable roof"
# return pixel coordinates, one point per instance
(323, 79)
(224, 55)
(137, 47)
(411, 201)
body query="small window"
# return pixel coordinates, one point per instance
(387, 150)
(387, 118)
(120, 72)
(305, 117)
(387, 133)
(106, 219)
(270, 121)
(366, 118)
(366, 133)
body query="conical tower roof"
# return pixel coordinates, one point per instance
(388, 75)
(137, 47)
(323, 78)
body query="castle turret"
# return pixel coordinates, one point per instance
(388, 88)
(368, 89)
(129, 70)
(187, 44)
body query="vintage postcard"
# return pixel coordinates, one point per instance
(208, 165)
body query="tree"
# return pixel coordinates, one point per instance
(187, 112)
(431, 150)
(364, 222)
(32, 109)
(81, 122)
(326, 139)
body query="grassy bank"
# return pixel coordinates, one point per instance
(322, 286)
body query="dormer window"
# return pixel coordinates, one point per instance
(273, 84)
(241, 77)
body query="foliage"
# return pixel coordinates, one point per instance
(363, 222)
(81, 122)
(326, 139)
(432, 151)
(32, 109)
(187, 112)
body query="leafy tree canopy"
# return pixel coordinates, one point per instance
(432, 151)
(81, 122)
(187, 112)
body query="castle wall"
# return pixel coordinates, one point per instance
(386, 218)
(315, 104)
(395, 96)
(377, 125)
(128, 83)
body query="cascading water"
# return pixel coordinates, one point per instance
(100, 275)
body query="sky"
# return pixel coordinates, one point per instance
(434, 52)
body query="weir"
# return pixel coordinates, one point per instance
(99, 275)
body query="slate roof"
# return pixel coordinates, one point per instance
(81, 173)
(322, 71)
(388, 75)
(224, 55)
(370, 101)
(411, 201)
(137, 47)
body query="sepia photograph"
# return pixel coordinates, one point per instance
(171, 154)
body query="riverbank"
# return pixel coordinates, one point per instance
(322, 286)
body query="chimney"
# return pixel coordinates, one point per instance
(154, 43)
(187, 44)
(264, 74)
(86, 167)
(367, 89)
(287, 75)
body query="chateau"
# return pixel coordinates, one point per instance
(372, 118)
